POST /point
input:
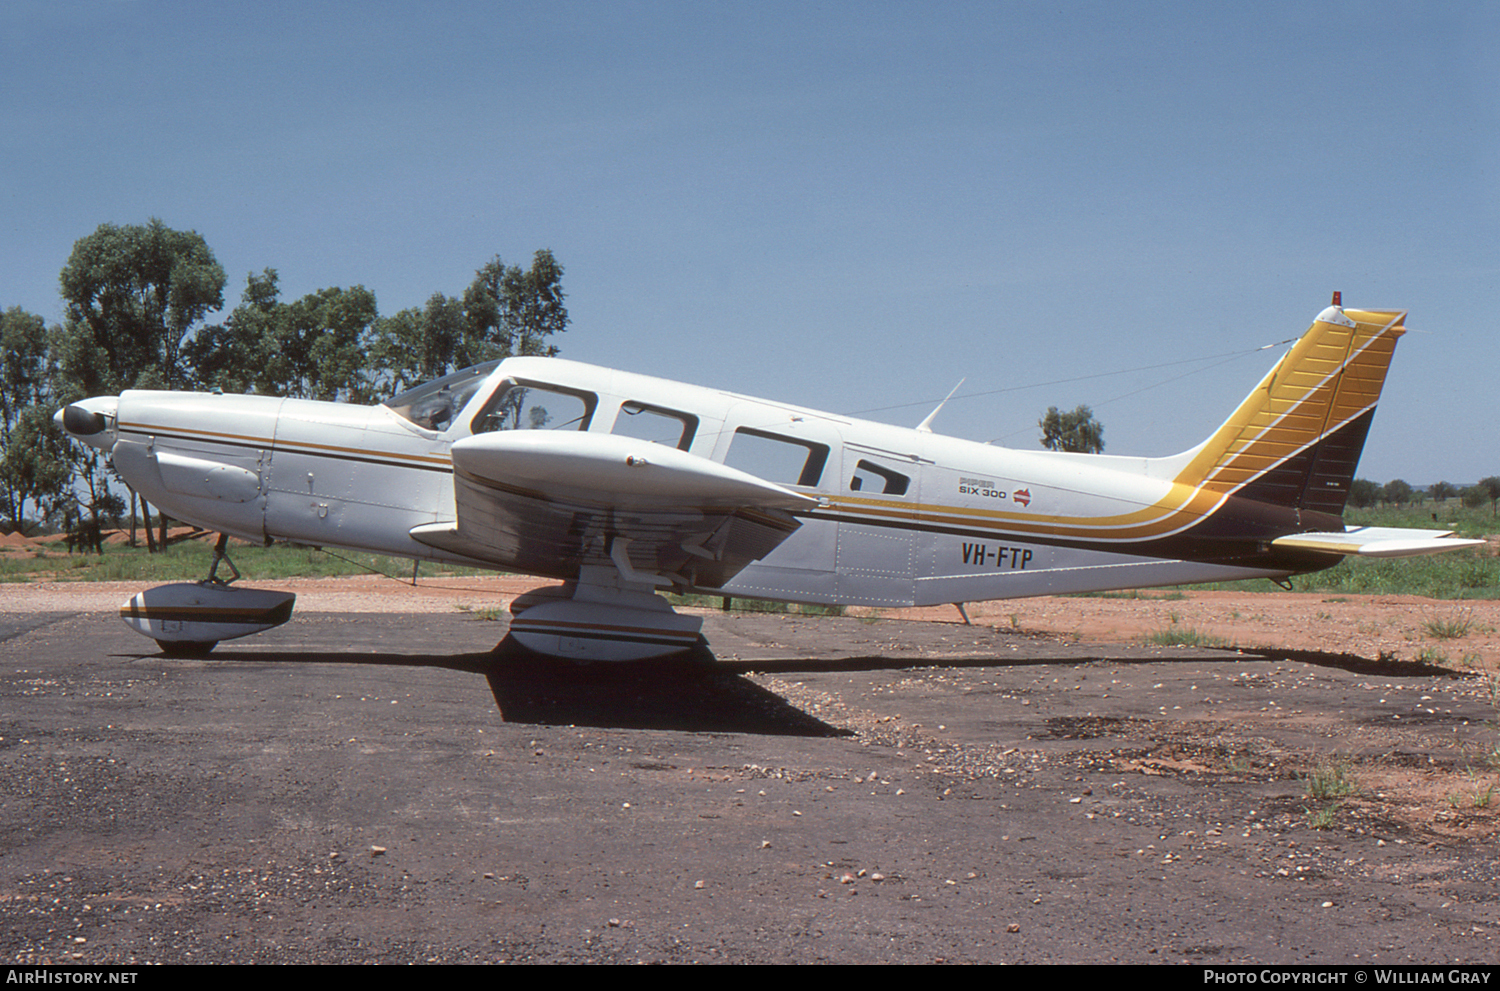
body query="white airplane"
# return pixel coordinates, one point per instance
(624, 486)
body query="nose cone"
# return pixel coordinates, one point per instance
(90, 421)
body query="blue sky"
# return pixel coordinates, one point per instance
(849, 206)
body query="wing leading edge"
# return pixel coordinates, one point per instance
(550, 504)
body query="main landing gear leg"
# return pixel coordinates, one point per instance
(221, 555)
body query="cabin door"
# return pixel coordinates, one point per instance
(876, 561)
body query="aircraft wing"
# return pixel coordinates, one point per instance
(1377, 541)
(548, 503)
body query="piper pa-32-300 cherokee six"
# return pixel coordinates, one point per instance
(623, 486)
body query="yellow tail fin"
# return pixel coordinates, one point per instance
(1295, 441)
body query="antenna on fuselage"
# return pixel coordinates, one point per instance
(926, 425)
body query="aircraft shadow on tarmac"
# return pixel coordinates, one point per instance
(702, 694)
(694, 694)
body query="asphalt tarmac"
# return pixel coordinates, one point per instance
(387, 789)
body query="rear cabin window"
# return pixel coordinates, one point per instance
(656, 424)
(521, 405)
(775, 458)
(870, 477)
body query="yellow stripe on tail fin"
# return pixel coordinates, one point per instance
(1295, 441)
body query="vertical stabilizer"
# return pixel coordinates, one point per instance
(1295, 441)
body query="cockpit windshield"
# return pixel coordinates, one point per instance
(434, 404)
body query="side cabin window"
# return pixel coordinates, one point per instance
(870, 477)
(778, 459)
(656, 424)
(524, 405)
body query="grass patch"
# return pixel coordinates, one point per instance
(1458, 575)
(1432, 657)
(486, 614)
(1177, 635)
(1324, 818)
(1172, 595)
(1330, 783)
(1332, 779)
(1450, 514)
(188, 560)
(1480, 798)
(1452, 627)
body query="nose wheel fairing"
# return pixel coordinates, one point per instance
(188, 619)
(203, 613)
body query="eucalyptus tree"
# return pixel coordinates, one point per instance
(35, 458)
(1076, 431)
(135, 295)
(506, 310)
(1491, 488)
(140, 292)
(315, 347)
(518, 310)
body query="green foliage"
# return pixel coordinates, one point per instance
(1432, 657)
(36, 466)
(138, 291)
(35, 458)
(505, 311)
(333, 344)
(1323, 818)
(1491, 488)
(1398, 492)
(519, 310)
(1364, 493)
(25, 366)
(1077, 431)
(321, 345)
(1451, 627)
(1436, 576)
(313, 348)
(134, 294)
(1332, 779)
(233, 356)
(1176, 635)
(1476, 572)
(1449, 516)
(189, 560)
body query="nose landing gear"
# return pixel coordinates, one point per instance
(189, 619)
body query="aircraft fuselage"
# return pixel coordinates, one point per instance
(896, 516)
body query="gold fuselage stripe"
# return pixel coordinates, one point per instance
(288, 446)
